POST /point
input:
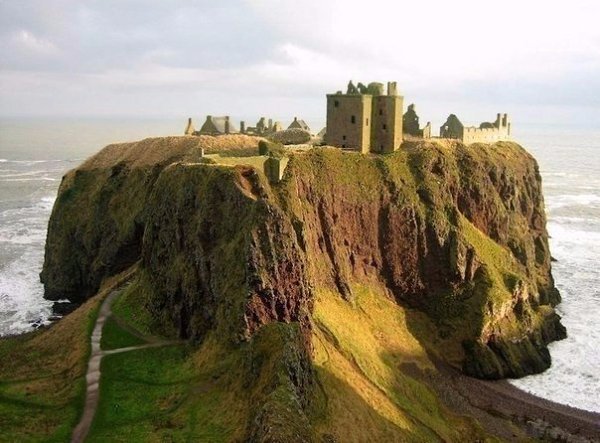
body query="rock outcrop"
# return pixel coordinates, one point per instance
(456, 232)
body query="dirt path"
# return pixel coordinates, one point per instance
(93, 371)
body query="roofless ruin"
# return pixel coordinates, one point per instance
(366, 118)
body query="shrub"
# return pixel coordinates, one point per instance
(291, 137)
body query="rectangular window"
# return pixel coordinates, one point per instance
(336, 103)
(353, 119)
(367, 123)
(381, 112)
(384, 127)
(343, 137)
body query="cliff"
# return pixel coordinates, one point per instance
(354, 274)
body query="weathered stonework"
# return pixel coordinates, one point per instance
(486, 132)
(299, 124)
(365, 119)
(216, 126)
(410, 124)
(189, 129)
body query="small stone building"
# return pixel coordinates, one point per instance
(365, 118)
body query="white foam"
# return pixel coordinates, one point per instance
(31, 162)
(22, 237)
(29, 179)
(564, 200)
(26, 225)
(574, 377)
(558, 174)
(563, 233)
(21, 294)
(16, 174)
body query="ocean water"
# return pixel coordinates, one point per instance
(34, 154)
(570, 168)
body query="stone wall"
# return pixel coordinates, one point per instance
(348, 121)
(272, 167)
(487, 132)
(386, 133)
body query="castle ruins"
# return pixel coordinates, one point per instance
(486, 132)
(410, 124)
(222, 125)
(366, 119)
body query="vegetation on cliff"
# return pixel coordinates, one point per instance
(317, 308)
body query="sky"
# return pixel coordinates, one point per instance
(537, 60)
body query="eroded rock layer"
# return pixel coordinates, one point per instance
(456, 232)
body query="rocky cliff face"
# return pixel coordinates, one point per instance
(455, 232)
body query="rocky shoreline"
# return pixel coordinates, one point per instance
(492, 403)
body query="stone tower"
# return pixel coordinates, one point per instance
(365, 119)
(387, 112)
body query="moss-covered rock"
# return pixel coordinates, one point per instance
(457, 232)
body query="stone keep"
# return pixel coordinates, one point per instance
(365, 119)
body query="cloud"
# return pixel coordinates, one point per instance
(278, 56)
(27, 41)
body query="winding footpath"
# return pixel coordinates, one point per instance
(93, 371)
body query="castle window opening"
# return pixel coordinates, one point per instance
(336, 103)
(384, 127)
(367, 122)
(353, 119)
(343, 137)
(381, 112)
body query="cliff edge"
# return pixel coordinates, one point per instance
(352, 267)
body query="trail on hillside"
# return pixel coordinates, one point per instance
(94, 372)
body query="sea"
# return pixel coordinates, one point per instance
(36, 153)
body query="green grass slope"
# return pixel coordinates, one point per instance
(314, 308)
(42, 376)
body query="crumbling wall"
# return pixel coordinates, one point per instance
(487, 132)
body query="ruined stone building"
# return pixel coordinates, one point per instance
(262, 127)
(216, 126)
(299, 124)
(221, 125)
(486, 132)
(365, 118)
(410, 124)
